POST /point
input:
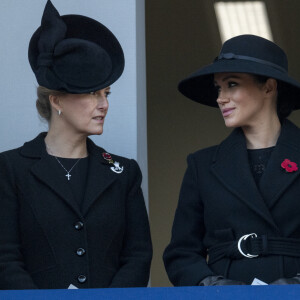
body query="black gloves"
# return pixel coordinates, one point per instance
(293, 280)
(219, 280)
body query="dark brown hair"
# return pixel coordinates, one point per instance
(285, 105)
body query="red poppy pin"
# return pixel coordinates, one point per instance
(289, 166)
(107, 156)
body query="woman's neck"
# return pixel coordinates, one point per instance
(64, 145)
(263, 135)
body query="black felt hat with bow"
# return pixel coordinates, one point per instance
(242, 54)
(74, 53)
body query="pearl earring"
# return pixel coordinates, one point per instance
(59, 112)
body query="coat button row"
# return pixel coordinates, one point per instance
(78, 225)
(80, 251)
(81, 278)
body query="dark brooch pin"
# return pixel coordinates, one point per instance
(116, 168)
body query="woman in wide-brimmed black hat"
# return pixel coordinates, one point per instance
(237, 220)
(72, 214)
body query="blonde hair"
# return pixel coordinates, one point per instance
(43, 104)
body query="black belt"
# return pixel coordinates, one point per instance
(251, 246)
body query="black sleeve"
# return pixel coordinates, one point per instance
(137, 247)
(185, 256)
(13, 274)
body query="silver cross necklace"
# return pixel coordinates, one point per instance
(68, 175)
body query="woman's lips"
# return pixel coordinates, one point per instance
(226, 112)
(99, 119)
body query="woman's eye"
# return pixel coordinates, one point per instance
(232, 84)
(95, 94)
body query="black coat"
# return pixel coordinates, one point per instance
(41, 230)
(220, 202)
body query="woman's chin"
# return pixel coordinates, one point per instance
(99, 132)
(96, 131)
(230, 123)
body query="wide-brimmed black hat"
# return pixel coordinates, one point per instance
(74, 53)
(242, 54)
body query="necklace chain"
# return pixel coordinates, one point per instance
(68, 175)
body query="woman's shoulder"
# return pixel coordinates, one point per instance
(202, 158)
(117, 161)
(105, 154)
(127, 169)
(29, 147)
(22, 157)
(204, 153)
(10, 155)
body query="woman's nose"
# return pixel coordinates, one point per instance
(222, 99)
(101, 97)
(102, 102)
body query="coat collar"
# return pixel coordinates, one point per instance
(275, 181)
(231, 166)
(100, 177)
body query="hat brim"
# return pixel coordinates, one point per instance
(82, 27)
(199, 86)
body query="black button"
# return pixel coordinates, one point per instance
(80, 251)
(81, 278)
(78, 225)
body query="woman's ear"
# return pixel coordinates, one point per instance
(271, 86)
(55, 103)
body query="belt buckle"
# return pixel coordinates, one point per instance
(244, 238)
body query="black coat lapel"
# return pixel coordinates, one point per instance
(231, 167)
(276, 180)
(100, 176)
(46, 170)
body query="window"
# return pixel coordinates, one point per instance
(242, 17)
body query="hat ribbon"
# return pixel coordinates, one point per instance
(249, 58)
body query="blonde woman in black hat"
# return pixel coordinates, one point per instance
(72, 214)
(237, 220)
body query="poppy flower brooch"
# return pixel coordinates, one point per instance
(289, 166)
(116, 165)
